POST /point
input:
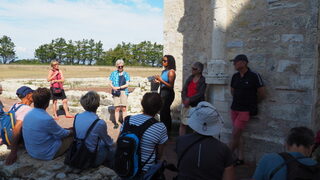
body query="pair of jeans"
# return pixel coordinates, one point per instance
(167, 96)
(105, 155)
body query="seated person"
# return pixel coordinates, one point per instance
(299, 144)
(90, 102)
(200, 154)
(22, 108)
(154, 138)
(44, 139)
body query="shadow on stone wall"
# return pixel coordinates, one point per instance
(279, 39)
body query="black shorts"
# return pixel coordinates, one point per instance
(62, 95)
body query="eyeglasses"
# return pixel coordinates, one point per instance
(120, 67)
(194, 69)
(164, 60)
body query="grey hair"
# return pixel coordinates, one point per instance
(90, 101)
(198, 65)
(119, 61)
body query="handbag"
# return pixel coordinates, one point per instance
(56, 90)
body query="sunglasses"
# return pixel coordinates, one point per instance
(164, 61)
(120, 67)
(193, 68)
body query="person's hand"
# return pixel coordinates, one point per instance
(116, 88)
(12, 158)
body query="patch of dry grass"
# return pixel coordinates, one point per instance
(41, 71)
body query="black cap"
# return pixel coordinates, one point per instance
(240, 57)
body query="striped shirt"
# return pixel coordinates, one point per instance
(154, 135)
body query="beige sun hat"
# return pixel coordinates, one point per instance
(205, 119)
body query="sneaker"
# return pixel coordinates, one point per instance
(116, 126)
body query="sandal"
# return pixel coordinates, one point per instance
(70, 116)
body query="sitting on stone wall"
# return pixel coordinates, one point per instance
(44, 139)
(98, 139)
(21, 109)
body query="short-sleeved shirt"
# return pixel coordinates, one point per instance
(154, 135)
(42, 135)
(99, 131)
(271, 161)
(245, 90)
(22, 111)
(114, 78)
(204, 160)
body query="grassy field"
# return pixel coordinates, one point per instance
(41, 71)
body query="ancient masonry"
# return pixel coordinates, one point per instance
(280, 38)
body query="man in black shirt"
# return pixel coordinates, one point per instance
(247, 89)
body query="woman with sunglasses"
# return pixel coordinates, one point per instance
(193, 92)
(166, 81)
(119, 84)
(56, 79)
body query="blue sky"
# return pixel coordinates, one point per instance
(31, 23)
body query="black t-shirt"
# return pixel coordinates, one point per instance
(245, 90)
(204, 160)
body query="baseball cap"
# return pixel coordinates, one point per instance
(23, 91)
(240, 57)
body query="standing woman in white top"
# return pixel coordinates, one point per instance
(56, 79)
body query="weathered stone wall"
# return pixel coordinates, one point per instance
(280, 38)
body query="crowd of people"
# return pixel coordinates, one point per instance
(200, 153)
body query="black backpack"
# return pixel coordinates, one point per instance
(78, 155)
(128, 153)
(296, 170)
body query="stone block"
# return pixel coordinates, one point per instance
(292, 38)
(290, 112)
(287, 66)
(235, 44)
(307, 66)
(302, 82)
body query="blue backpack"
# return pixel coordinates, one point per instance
(8, 121)
(128, 154)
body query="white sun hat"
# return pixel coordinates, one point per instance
(205, 119)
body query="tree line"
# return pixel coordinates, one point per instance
(86, 52)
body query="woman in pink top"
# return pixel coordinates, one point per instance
(56, 79)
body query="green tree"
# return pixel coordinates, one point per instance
(7, 52)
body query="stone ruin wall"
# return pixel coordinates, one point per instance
(280, 38)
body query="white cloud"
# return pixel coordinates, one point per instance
(31, 23)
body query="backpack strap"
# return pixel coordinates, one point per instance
(74, 127)
(126, 124)
(14, 108)
(188, 147)
(88, 131)
(287, 159)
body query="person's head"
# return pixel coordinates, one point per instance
(25, 94)
(300, 137)
(205, 119)
(54, 64)
(119, 65)
(90, 101)
(240, 62)
(197, 68)
(151, 103)
(41, 98)
(1, 89)
(169, 62)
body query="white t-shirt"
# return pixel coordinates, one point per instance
(22, 111)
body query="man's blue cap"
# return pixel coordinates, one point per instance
(23, 91)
